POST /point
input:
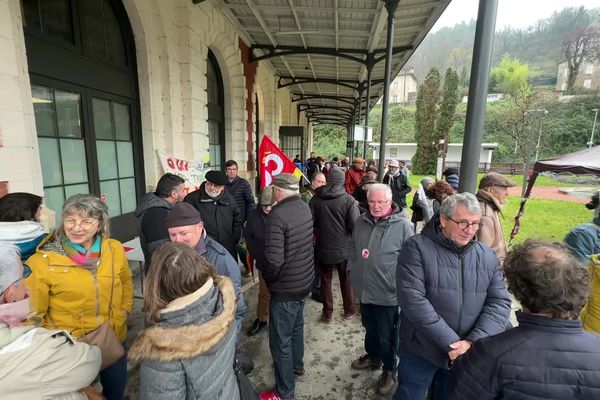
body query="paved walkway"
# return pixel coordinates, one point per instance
(329, 349)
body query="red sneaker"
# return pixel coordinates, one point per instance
(270, 395)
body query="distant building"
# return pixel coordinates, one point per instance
(406, 151)
(588, 77)
(404, 87)
(491, 97)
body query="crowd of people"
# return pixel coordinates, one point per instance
(430, 282)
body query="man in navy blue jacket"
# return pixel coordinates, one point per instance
(450, 292)
(241, 191)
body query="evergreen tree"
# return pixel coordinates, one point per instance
(450, 100)
(427, 106)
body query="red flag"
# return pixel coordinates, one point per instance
(273, 162)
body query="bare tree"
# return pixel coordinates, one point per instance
(579, 45)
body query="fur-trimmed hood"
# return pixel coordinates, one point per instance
(165, 342)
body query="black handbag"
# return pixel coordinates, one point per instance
(247, 392)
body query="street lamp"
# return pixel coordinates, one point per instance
(591, 142)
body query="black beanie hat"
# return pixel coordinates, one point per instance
(182, 214)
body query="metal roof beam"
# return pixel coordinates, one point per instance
(356, 55)
(349, 83)
(303, 80)
(308, 107)
(315, 96)
(277, 51)
(329, 115)
(274, 8)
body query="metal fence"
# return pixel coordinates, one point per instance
(500, 167)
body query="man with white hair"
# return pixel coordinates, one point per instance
(377, 239)
(288, 272)
(34, 362)
(451, 293)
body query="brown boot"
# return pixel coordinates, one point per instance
(364, 362)
(386, 383)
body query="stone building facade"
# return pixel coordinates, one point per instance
(155, 91)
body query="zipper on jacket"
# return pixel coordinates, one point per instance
(462, 295)
(95, 281)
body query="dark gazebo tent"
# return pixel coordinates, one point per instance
(583, 162)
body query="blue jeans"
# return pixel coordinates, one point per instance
(286, 341)
(114, 380)
(416, 375)
(380, 332)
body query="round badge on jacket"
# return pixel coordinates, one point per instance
(365, 253)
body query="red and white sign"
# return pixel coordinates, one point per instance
(192, 172)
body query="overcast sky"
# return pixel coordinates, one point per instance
(514, 13)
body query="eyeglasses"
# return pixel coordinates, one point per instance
(464, 225)
(84, 224)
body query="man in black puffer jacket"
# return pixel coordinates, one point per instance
(219, 212)
(288, 272)
(450, 292)
(334, 213)
(548, 356)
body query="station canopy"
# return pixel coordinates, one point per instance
(322, 50)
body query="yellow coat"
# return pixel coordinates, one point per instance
(69, 297)
(590, 315)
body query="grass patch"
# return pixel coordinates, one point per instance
(518, 179)
(544, 219)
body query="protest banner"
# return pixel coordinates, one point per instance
(191, 171)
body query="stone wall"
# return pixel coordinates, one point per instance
(172, 40)
(19, 159)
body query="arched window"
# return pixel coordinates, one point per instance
(81, 59)
(216, 113)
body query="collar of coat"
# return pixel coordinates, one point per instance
(168, 344)
(221, 199)
(488, 199)
(540, 322)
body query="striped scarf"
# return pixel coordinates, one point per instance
(87, 259)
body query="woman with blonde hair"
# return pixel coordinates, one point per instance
(80, 282)
(188, 352)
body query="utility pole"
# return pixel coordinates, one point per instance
(537, 147)
(591, 142)
(535, 117)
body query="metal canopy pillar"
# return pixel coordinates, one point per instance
(370, 65)
(390, 6)
(480, 74)
(360, 102)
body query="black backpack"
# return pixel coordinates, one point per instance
(417, 214)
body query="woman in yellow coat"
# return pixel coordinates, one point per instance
(590, 315)
(73, 274)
